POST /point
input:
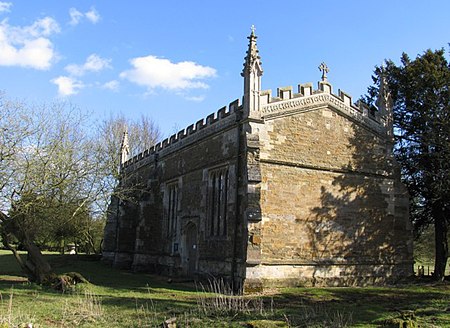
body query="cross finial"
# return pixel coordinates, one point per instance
(324, 69)
(253, 29)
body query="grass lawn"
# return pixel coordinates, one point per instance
(122, 299)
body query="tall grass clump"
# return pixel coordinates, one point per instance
(9, 317)
(147, 315)
(318, 316)
(83, 308)
(218, 299)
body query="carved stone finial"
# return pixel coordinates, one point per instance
(324, 69)
(252, 57)
(124, 148)
(384, 101)
(252, 73)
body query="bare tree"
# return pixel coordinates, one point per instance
(44, 153)
(56, 172)
(143, 133)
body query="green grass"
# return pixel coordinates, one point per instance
(122, 299)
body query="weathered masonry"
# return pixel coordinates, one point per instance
(297, 189)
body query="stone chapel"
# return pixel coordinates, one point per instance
(297, 188)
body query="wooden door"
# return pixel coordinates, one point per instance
(192, 249)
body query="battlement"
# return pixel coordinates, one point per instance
(187, 133)
(306, 98)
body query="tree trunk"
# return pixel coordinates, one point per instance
(36, 267)
(8, 246)
(441, 245)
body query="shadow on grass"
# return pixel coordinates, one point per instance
(148, 295)
(370, 304)
(103, 275)
(9, 265)
(95, 272)
(127, 300)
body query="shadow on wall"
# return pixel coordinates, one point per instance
(362, 222)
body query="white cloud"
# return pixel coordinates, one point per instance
(67, 86)
(76, 16)
(153, 72)
(112, 85)
(28, 46)
(195, 98)
(4, 6)
(93, 16)
(43, 27)
(94, 63)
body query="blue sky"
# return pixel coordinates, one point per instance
(178, 61)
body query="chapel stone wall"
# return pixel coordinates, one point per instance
(145, 238)
(333, 210)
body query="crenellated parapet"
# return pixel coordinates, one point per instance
(306, 98)
(259, 106)
(223, 117)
